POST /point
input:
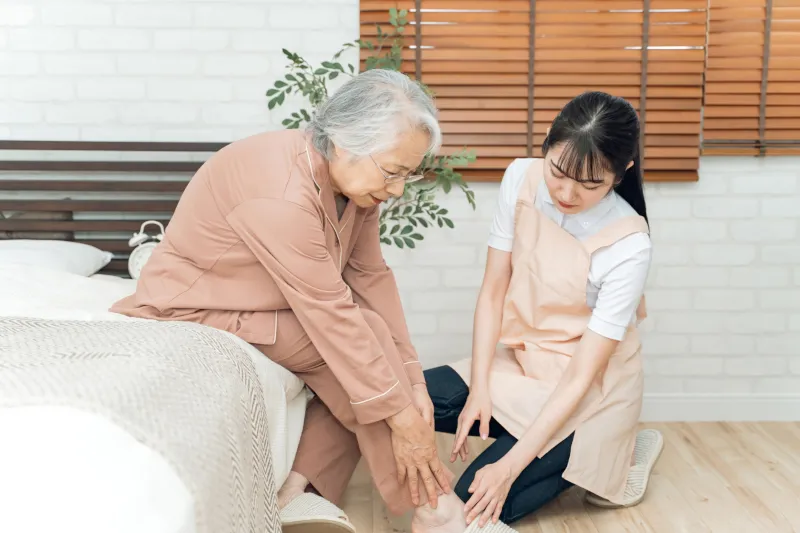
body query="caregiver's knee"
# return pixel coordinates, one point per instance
(462, 486)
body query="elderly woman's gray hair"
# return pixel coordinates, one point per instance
(369, 112)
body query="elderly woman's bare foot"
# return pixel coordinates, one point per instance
(294, 486)
(448, 517)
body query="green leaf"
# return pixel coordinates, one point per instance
(385, 240)
(448, 222)
(383, 229)
(394, 230)
(423, 222)
(272, 92)
(439, 221)
(413, 221)
(272, 103)
(320, 71)
(290, 77)
(398, 242)
(334, 75)
(280, 84)
(409, 242)
(407, 210)
(407, 230)
(352, 68)
(442, 211)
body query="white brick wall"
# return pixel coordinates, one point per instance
(723, 337)
(180, 70)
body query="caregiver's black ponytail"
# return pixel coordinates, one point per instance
(601, 132)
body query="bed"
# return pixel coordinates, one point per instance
(75, 465)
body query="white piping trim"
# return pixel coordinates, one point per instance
(275, 337)
(375, 397)
(412, 363)
(319, 195)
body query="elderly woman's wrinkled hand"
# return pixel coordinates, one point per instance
(414, 445)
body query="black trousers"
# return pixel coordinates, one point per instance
(541, 480)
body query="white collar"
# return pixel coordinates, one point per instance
(584, 218)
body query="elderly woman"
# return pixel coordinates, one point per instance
(276, 240)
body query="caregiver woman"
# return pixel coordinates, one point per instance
(276, 240)
(569, 252)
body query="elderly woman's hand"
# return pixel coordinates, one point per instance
(414, 445)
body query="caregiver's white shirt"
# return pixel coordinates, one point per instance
(617, 274)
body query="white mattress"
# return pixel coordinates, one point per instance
(62, 469)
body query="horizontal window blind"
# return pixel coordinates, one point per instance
(474, 56)
(673, 86)
(734, 72)
(501, 71)
(782, 106)
(753, 78)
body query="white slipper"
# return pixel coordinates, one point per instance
(310, 513)
(648, 448)
(490, 527)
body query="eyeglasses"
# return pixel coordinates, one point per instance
(397, 178)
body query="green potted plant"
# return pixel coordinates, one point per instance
(403, 219)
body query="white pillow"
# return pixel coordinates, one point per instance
(63, 256)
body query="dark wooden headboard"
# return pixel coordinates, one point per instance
(93, 192)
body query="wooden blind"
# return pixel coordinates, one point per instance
(501, 71)
(733, 77)
(753, 78)
(474, 56)
(782, 106)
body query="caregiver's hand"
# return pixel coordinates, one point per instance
(489, 491)
(422, 401)
(414, 445)
(478, 407)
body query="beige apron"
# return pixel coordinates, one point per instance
(544, 317)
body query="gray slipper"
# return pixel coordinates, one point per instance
(310, 513)
(648, 448)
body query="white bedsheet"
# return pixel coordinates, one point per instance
(61, 468)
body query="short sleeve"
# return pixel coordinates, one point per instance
(622, 286)
(501, 233)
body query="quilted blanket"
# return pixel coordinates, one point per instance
(189, 392)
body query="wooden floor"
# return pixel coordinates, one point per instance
(711, 477)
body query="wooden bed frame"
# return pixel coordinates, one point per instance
(100, 200)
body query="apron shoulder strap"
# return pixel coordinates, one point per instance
(529, 187)
(613, 233)
(616, 231)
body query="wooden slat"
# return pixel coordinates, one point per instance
(116, 246)
(116, 266)
(22, 225)
(100, 166)
(161, 206)
(92, 185)
(111, 146)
